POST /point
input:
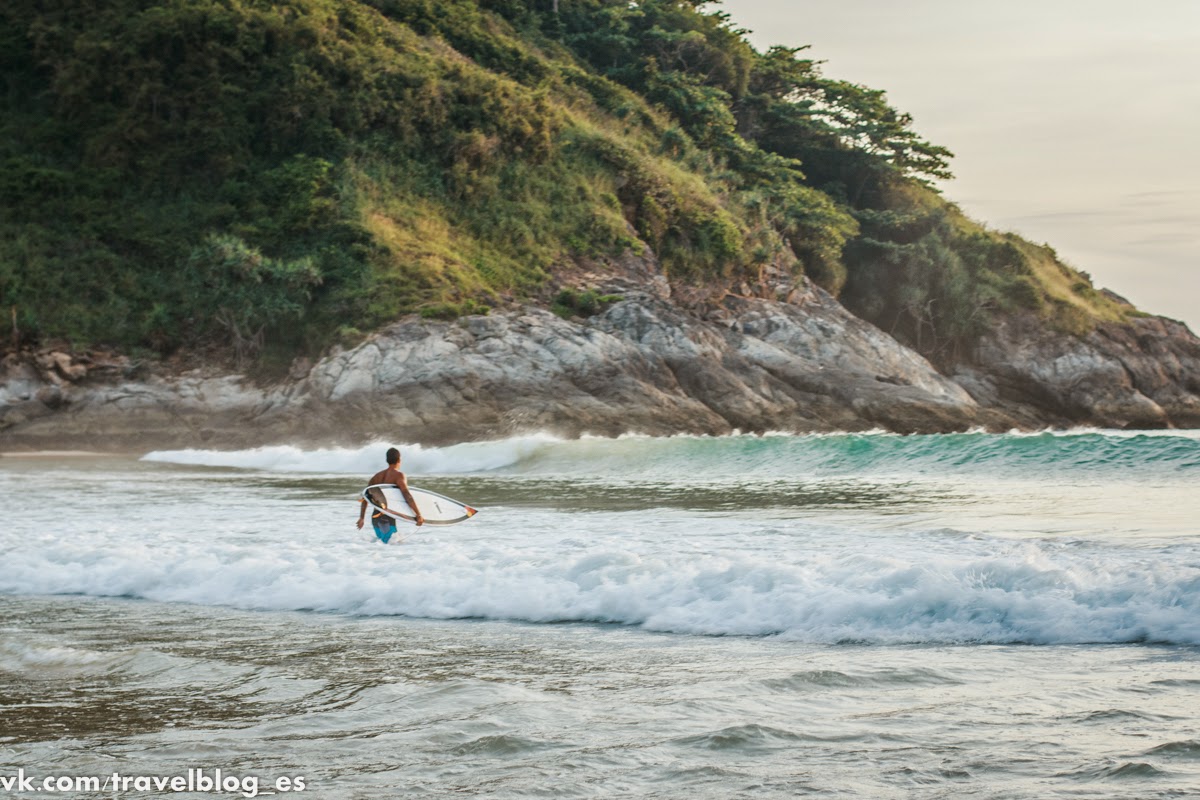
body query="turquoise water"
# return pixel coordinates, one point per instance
(867, 615)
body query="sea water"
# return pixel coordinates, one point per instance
(864, 615)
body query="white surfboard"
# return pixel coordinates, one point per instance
(435, 508)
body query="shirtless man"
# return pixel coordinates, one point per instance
(385, 525)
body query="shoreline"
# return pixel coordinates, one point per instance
(550, 437)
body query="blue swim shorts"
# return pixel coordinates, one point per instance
(384, 527)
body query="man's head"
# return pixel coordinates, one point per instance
(393, 456)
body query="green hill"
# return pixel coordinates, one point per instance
(278, 176)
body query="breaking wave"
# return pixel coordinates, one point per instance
(995, 592)
(776, 455)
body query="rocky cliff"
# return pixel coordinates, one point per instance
(648, 363)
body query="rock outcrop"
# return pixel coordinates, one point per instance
(643, 365)
(1144, 373)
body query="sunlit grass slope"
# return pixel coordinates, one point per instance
(276, 176)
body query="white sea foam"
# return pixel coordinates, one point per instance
(985, 591)
(1044, 561)
(775, 455)
(450, 460)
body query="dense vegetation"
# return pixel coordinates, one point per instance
(282, 174)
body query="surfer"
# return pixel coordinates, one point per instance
(385, 525)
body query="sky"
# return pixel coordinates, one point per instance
(1073, 122)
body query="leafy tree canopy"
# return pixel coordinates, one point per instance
(284, 173)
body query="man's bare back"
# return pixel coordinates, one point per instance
(390, 475)
(396, 478)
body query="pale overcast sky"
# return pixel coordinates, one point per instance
(1073, 122)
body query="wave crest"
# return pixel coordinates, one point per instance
(777, 455)
(1026, 594)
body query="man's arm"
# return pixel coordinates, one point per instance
(362, 509)
(402, 485)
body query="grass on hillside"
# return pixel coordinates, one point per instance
(282, 175)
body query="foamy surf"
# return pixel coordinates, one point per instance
(740, 455)
(700, 614)
(453, 459)
(741, 542)
(923, 592)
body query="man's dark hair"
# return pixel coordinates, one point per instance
(393, 455)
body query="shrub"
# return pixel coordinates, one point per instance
(587, 303)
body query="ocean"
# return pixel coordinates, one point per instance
(848, 615)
